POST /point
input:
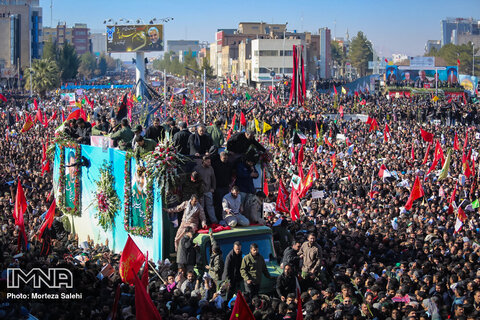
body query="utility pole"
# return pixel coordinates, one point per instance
(204, 95)
(473, 60)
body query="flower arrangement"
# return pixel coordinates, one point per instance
(106, 200)
(77, 173)
(147, 230)
(59, 139)
(163, 164)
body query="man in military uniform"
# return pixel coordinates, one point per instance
(124, 136)
(144, 145)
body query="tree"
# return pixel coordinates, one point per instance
(102, 65)
(50, 51)
(88, 64)
(68, 62)
(451, 53)
(360, 53)
(337, 53)
(206, 66)
(44, 76)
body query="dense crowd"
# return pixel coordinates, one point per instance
(355, 251)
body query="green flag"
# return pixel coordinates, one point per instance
(446, 166)
(475, 204)
(247, 96)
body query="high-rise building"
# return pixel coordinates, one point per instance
(20, 32)
(78, 36)
(325, 60)
(99, 43)
(452, 28)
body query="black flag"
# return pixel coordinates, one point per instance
(11, 120)
(122, 110)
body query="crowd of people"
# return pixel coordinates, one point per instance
(354, 251)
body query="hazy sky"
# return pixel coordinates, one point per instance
(392, 26)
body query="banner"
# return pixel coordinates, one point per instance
(468, 82)
(426, 75)
(144, 38)
(69, 97)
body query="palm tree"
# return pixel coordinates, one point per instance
(44, 75)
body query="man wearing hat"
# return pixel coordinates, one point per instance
(124, 136)
(137, 131)
(143, 145)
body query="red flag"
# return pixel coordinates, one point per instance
(145, 309)
(53, 117)
(300, 155)
(461, 214)
(299, 306)
(458, 61)
(113, 312)
(47, 223)
(369, 120)
(333, 158)
(183, 100)
(417, 192)
(19, 210)
(131, 260)
(243, 121)
(386, 60)
(74, 115)
(282, 196)
(373, 125)
(340, 110)
(265, 185)
(300, 171)
(327, 142)
(294, 201)
(312, 175)
(35, 103)
(83, 115)
(335, 90)
(386, 133)
(63, 117)
(241, 311)
(467, 171)
(425, 158)
(439, 153)
(44, 152)
(455, 142)
(145, 273)
(45, 167)
(427, 136)
(28, 123)
(3, 98)
(16, 117)
(39, 116)
(413, 154)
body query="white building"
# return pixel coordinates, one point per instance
(99, 43)
(272, 55)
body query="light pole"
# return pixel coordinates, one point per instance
(284, 31)
(473, 60)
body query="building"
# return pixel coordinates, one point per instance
(98, 43)
(20, 33)
(78, 36)
(272, 55)
(260, 28)
(433, 44)
(325, 60)
(453, 28)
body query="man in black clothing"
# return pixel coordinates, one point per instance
(84, 131)
(240, 142)
(180, 139)
(200, 142)
(223, 175)
(231, 272)
(286, 283)
(290, 256)
(155, 132)
(171, 128)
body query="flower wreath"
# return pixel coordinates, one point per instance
(106, 200)
(78, 155)
(147, 230)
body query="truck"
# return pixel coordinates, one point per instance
(76, 174)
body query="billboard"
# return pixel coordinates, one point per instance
(135, 38)
(417, 75)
